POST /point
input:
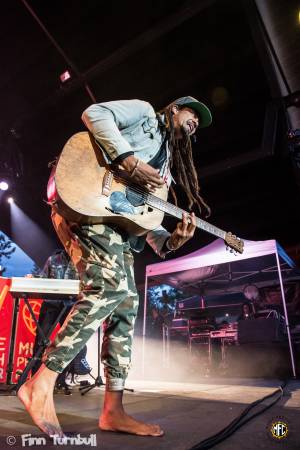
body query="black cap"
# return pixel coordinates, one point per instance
(201, 109)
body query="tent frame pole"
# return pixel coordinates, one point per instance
(286, 316)
(144, 325)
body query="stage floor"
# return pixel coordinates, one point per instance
(187, 412)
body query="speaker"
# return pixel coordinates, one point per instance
(260, 330)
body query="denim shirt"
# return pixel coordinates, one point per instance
(130, 126)
(59, 266)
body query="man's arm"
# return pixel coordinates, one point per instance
(105, 120)
(164, 242)
(183, 232)
(157, 239)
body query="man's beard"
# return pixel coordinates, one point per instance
(186, 137)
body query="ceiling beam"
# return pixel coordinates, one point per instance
(190, 9)
(186, 12)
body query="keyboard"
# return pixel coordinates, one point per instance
(43, 288)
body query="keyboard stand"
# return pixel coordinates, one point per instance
(45, 340)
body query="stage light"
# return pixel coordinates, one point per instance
(3, 186)
(10, 200)
(65, 76)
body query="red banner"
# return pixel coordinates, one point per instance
(24, 334)
(6, 314)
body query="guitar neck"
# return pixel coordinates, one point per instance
(174, 211)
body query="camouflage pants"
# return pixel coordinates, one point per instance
(108, 295)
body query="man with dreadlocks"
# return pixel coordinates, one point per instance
(147, 145)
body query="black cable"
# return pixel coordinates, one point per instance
(238, 422)
(211, 442)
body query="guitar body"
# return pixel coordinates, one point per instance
(83, 190)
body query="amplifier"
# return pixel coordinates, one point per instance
(179, 324)
(260, 330)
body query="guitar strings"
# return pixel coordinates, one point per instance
(152, 200)
(232, 241)
(167, 207)
(147, 196)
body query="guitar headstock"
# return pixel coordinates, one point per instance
(234, 242)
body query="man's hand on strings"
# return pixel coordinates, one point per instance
(184, 231)
(142, 173)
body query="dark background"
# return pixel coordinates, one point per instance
(155, 51)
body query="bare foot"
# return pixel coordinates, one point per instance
(122, 422)
(37, 397)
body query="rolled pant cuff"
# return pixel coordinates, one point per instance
(52, 365)
(115, 384)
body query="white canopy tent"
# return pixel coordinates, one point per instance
(214, 269)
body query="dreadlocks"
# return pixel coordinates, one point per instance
(182, 160)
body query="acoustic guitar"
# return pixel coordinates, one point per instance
(85, 189)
